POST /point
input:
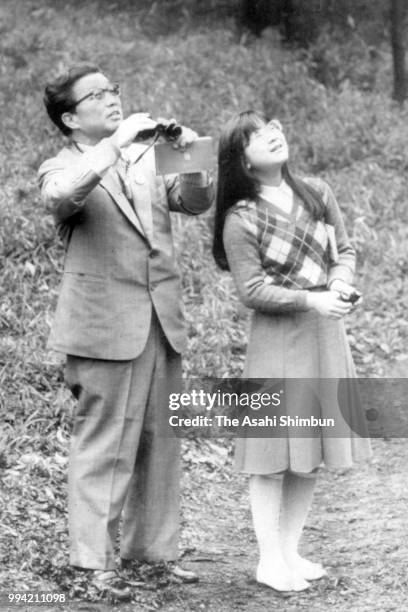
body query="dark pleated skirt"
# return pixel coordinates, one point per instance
(314, 352)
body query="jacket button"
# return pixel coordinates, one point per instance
(153, 253)
(153, 286)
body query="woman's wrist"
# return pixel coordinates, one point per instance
(338, 284)
(310, 300)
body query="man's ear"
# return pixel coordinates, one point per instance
(70, 120)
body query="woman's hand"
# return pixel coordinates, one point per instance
(328, 304)
(342, 287)
(347, 292)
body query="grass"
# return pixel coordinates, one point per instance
(345, 129)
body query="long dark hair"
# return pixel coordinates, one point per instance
(235, 181)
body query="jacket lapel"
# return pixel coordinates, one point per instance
(139, 173)
(111, 184)
(142, 200)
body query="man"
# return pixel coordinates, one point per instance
(119, 320)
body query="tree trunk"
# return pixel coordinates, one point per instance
(398, 50)
(259, 14)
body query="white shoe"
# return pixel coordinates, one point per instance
(280, 581)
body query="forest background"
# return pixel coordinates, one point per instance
(331, 87)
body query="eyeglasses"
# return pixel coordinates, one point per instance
(275, 124)
(100, 94)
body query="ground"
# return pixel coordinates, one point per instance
(356, 528)
(334, 100)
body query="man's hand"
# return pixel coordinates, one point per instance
(130, 127)
(328, 304)
(186, 138)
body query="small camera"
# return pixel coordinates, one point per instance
(170, 131)
(352, 298)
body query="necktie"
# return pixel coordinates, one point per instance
(122, 170)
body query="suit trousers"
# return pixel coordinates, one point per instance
(122, 462)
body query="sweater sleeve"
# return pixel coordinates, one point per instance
(343, 269)
(254, 287)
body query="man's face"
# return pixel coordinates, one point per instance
(97, 116)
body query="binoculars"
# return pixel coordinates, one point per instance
(170, 131)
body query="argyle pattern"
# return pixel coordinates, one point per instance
(294, 249)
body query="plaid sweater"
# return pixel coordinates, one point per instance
(274, 257)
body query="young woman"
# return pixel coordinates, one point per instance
(284, 241)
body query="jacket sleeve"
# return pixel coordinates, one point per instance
(65, 186)
(344, 268)
(191, 194)
(254, 287)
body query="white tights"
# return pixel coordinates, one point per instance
(279, 508)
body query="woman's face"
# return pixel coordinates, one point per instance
(267, 147)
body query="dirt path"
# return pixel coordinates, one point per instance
(357, 528)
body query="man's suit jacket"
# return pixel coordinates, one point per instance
(119, 258)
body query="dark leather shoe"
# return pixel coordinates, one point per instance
(129, 563)
(161, 568)
(108, 582)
